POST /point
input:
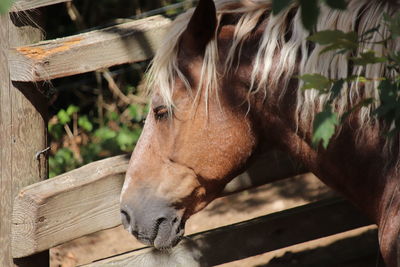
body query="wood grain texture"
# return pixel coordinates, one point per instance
(86, 200)
(124, 43)
(22, 133)
(5, 144)
(71, 205)
(253, 237)
(22, 5)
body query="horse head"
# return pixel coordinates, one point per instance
(200, 131)
(190, 147)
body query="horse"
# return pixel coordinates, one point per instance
(224, 90)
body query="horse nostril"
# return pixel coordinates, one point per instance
(126, 219)
(156, 228)
(159, 221)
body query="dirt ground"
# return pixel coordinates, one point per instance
(355, 248)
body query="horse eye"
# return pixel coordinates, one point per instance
(160, 112)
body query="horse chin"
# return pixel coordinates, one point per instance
(167, 237)
(162, 245)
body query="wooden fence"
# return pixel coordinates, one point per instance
(83, 201)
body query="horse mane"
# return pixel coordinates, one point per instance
(295, 55)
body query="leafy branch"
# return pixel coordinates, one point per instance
(310, 9)
(327, 121)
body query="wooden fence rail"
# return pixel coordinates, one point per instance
(124, 43)
(256, 236)
(86, 200)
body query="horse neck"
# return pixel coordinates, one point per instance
(352, 164)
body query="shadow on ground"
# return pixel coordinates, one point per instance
(357, 251)
(292, 189)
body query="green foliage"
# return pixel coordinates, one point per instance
(135, 113)
(62, 161)
(335, 40)
(309, 13)
(56, 130)
(316, 81)
(324, 127)
(366, 58)
(336, 89)
(394, 24)
(389, 94)
(117, 133)
(279, 5)
(126, 139)
(336, 4)
(105, 133)
(85, 124)
(388, 111)
(72, 109)
(309, 9)
(5, 5)
(63, 117)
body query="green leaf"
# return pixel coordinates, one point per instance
(333, 47)
(62, 161)
(133, 111)
(335, 39)
(393, 24)
(336, 88)
(370, 32)
(84, 122)
(355, 78)
(279, 5)
(315, 81)
(324, 127)
(5, 6)
(326, 37)
(309, 13)
(136, 112)
(72, 109)
(112, 116)
(127, 138)
(91, 152)
(63, 117)
(366, 58)
(56, 130)
(395, 56)
(389, 110)
(105, 133)
(337, 4)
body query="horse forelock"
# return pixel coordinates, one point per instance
(295, 56)
(165, 69)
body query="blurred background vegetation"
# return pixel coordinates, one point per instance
(97, 114)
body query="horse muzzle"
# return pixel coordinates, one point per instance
(156, 225)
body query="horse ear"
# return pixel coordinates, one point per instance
(201, 28)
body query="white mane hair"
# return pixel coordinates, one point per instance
(295, 55)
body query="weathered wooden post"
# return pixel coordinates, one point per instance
(23, 132)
